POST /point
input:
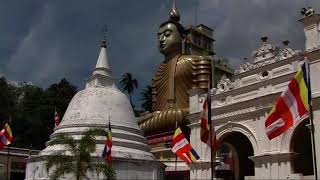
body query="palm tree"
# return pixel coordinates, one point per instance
(146, 98)
(76, 159)
(128, 84)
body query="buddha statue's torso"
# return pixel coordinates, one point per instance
(170, 86)
(174, 78)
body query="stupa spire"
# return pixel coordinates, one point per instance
(102, 74)
(102, 66)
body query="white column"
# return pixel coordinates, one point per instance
(312, 31)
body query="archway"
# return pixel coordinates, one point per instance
(301, 145)
(234, 152)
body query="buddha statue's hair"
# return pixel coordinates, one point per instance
(174, 18)
(180, 28)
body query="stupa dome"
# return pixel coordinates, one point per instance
(94, 106)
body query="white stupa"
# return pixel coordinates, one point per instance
(92, 107)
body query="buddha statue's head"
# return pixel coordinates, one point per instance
(171, 34)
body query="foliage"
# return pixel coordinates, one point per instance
(146, 98)
(129, 83)
(76, 159)
(7, 99)
(32, 110)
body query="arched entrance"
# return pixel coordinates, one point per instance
(301, 145)
(233, 153)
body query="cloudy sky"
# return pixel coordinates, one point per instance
(43, 41)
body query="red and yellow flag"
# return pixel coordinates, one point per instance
(291, 106)
(56, 119)
(205, 125)
(106, 154)
(6, 137)
(182, 148)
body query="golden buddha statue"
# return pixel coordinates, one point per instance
(177, 74)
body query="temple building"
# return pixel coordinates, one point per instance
(100, 102)
(239, 109)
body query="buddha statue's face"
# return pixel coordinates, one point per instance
(169, 39)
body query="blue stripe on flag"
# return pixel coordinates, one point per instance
(194, 153)
(104, 153)
(209, 107)
(306, 77)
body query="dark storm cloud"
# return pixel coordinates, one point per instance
(44, 41)
(240, 24)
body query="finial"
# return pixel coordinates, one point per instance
(264, 38)
(104, 41)
(286, 42)
(174, 14)
(307, 12)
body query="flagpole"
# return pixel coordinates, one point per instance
(211, 161)
(311, 124)
(175, 163)
(210, 121)
(313, 143)
(210, 132)
(109, 129)
(8, 152)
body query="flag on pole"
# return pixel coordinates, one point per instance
(106, 154)
(56, 118)
(182, 148)
(291, 106)
(6, 137)
(205, 124)
(30, 151)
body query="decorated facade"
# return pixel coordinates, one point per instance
(240, 107)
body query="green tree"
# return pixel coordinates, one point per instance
(28, 125)
(128, 84)
(57, 96)
(36, 109)
(8, 100)
(146, 98)
(32, 110)
(76, 159)
(60, 94)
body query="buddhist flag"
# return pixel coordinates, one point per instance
(106, 154)
(6, 137)
(205, 124)
(56, 118)
(182, 148)
(291, 106)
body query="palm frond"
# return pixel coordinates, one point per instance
(60, 171)
(128, 83)
(64, 139)
(63, 165)
(135, 83)
(87, 142)
(80, 160)
(58, 159)
(103, 168)
(95, 132)
(146, 98)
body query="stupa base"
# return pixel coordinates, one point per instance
(124, 168)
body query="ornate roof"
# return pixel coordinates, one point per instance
(266, 54)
